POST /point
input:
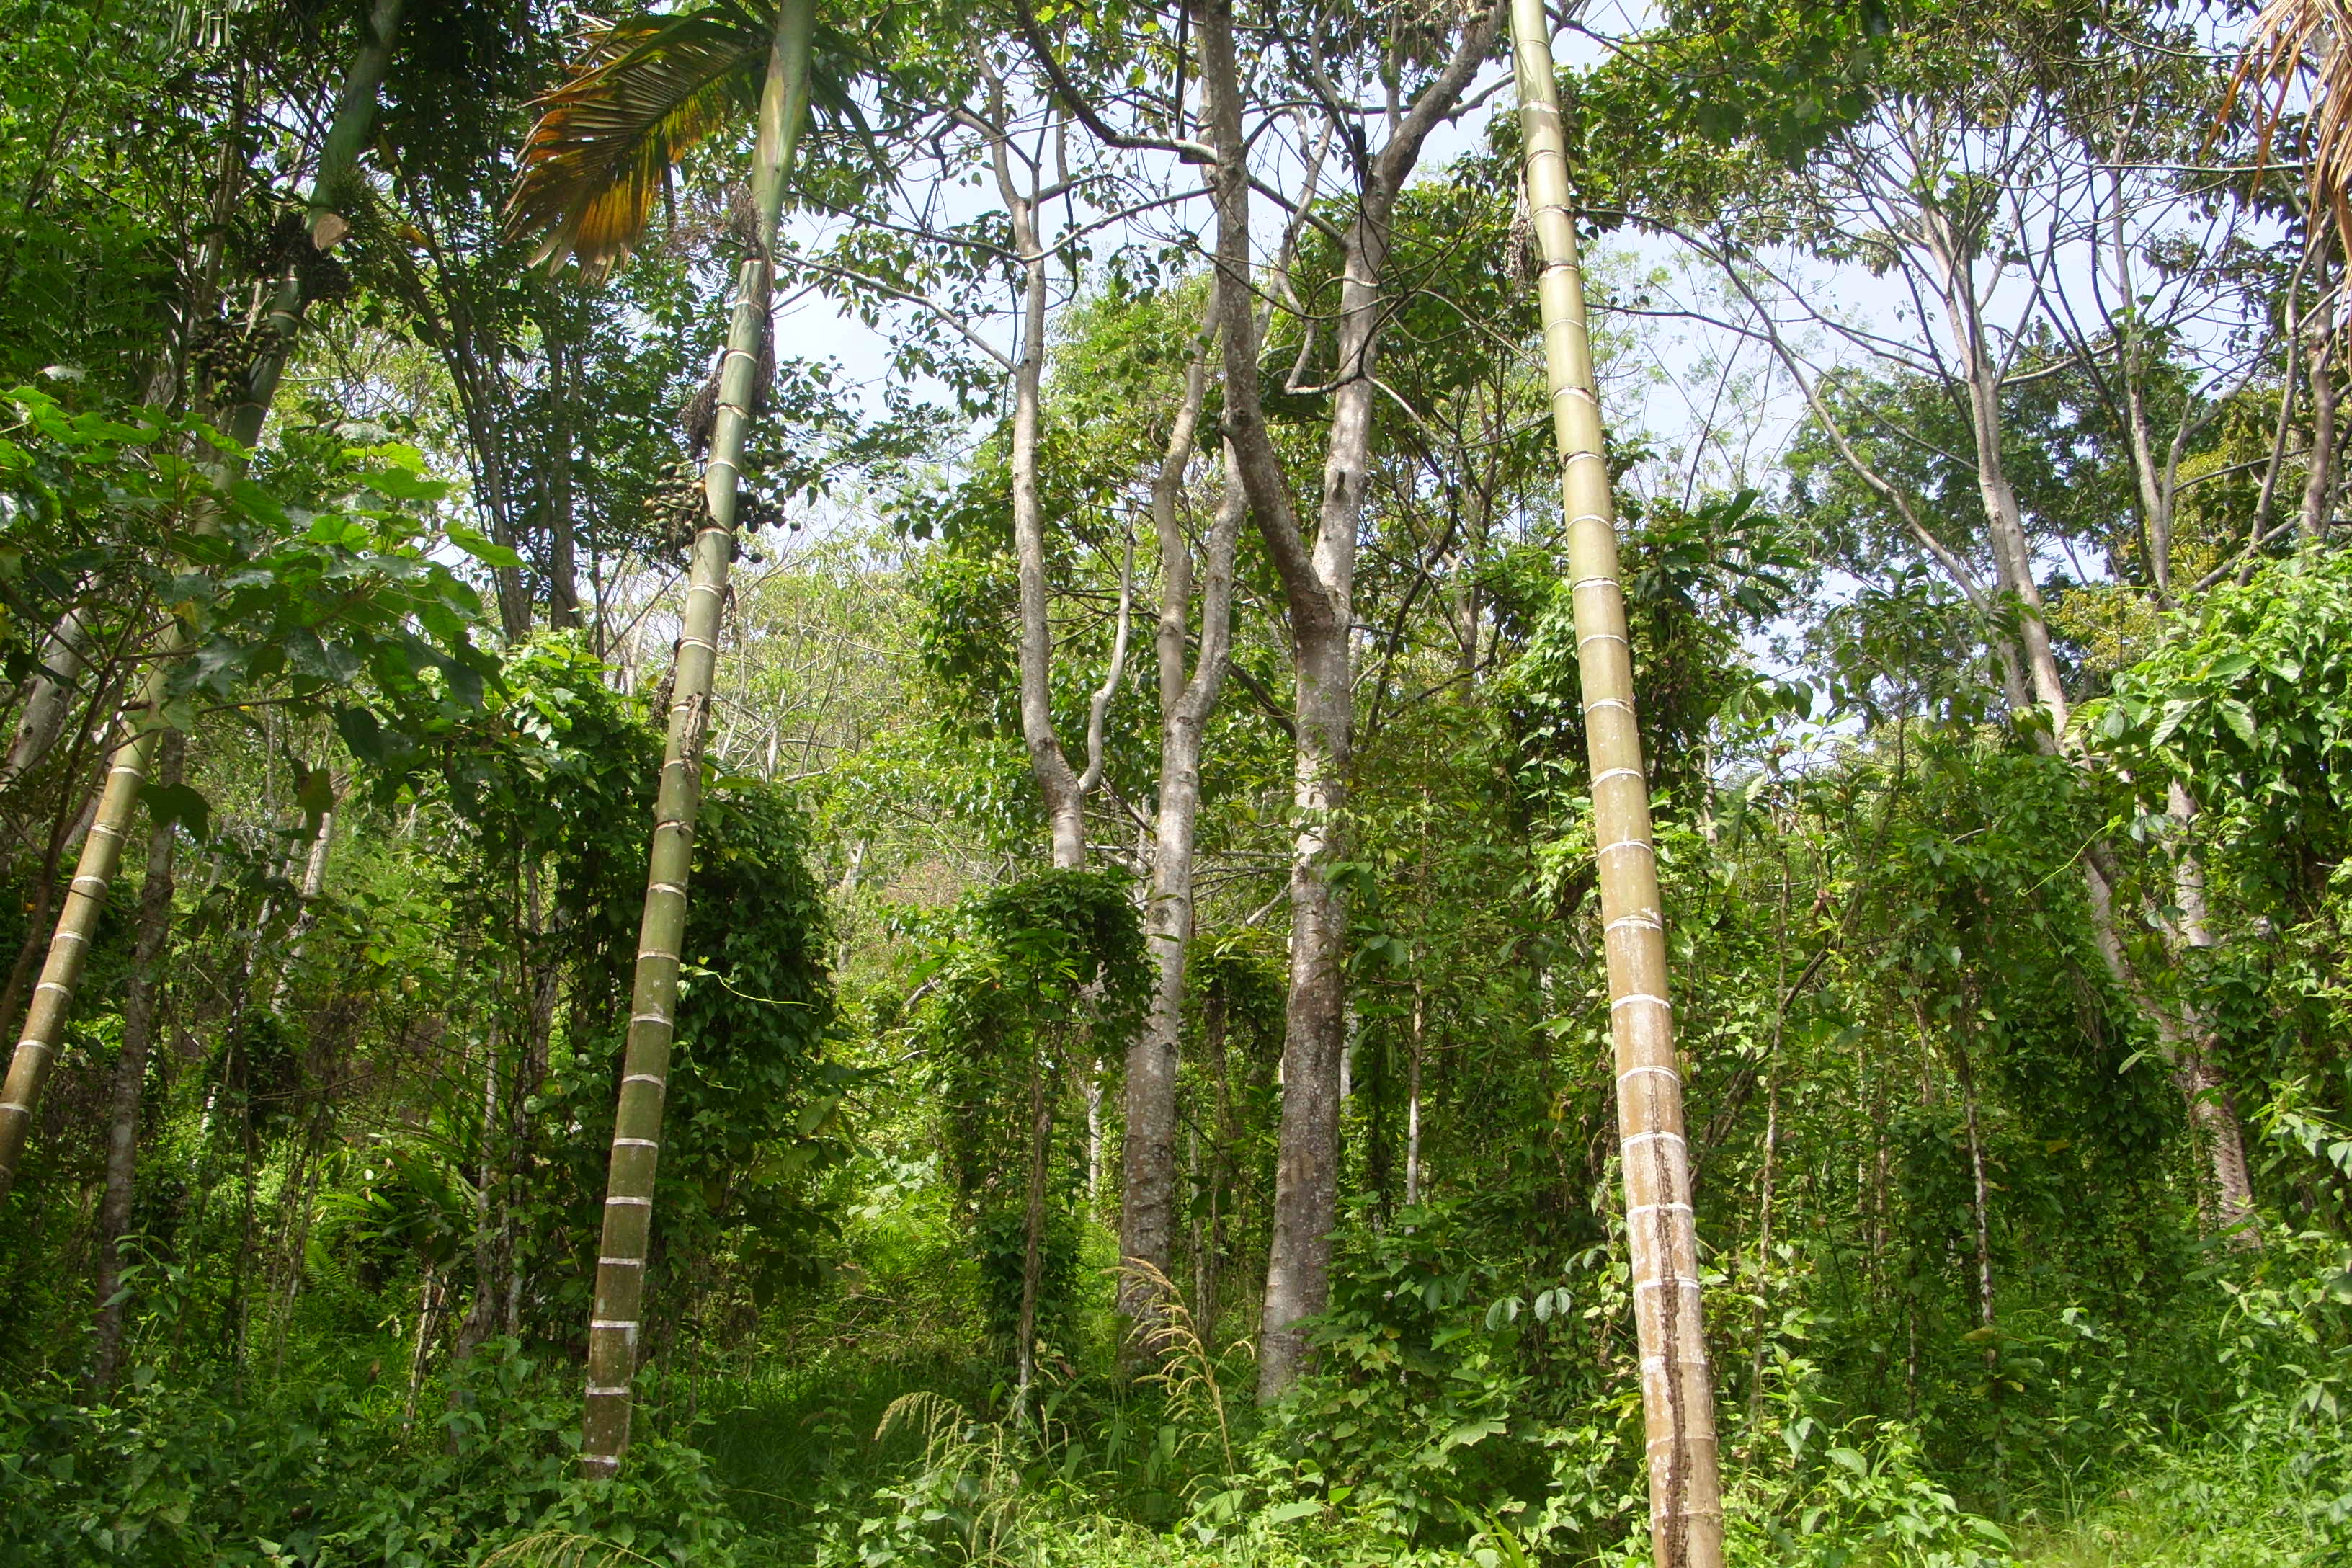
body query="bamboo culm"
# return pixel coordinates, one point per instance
(1678, 1392)
(613, 1328)
(135, 753)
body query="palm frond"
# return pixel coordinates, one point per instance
(2288, 39)
(641, 96)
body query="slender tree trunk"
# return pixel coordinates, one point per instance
(1764, 1193)
(1319, 587)
(614, 1319)
(1209, 1286)
(1033, 1241)
(2319, 484)
(482, 1310)
(2210, 1109)
(1094, 1133)
(2182, 1042)
(1412, 1101)
(347, 136)
(1678, 1392)
(428, 1311)
(29, 1067)
(481, 400)
(563, 569)
(1146, 1209)
(139, 1009)
(1979, 1185)
(2012, 551)
(314, 884)
(64, 658)
(101, 853)
(1057, 782)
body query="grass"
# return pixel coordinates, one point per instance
(2217, 1509)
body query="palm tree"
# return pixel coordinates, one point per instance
(2288, 39)
(133, 754)
(645, 93)
(1677, 1394)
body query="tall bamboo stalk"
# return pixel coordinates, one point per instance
(644, 1073)
(135, 753)
(1677, 1394)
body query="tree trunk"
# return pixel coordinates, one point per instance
(644, 1075)
(1677, 1393)
(138, 1008)
(1147, 1204)
(2012, 551)
(1057, 782)
(1979, 1185)
(314, 883)
(1033, 1241)
(2319, 484)
(2211, 1110)
(64, 658)
(1412, 1102)
(563, 567)
(347, 135)
(1319, 587)
(1764, 1186)
(101, 853)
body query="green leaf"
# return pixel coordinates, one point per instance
(481, 548)
(177, 803)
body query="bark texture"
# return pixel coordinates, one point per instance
(64, 658)
(1678, 1392)
(614, 1319)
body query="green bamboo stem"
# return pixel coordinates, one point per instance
(615, 1320)
(45, 1020)
(338, 162)
(135, 753)
(1677, 1393)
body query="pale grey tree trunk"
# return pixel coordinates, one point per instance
(1147, 1199)
(1319, 587)
(2211, 1111)
(2319, 482)
(1057, 782)
(64, 658)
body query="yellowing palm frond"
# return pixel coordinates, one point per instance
(642, 95)
(2289, 37)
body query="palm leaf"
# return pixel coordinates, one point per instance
(2289, 37)
(642, 95)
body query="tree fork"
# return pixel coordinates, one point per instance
(645, 1072)
(1677, 1393)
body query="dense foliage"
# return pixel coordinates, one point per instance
(1973, 384)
